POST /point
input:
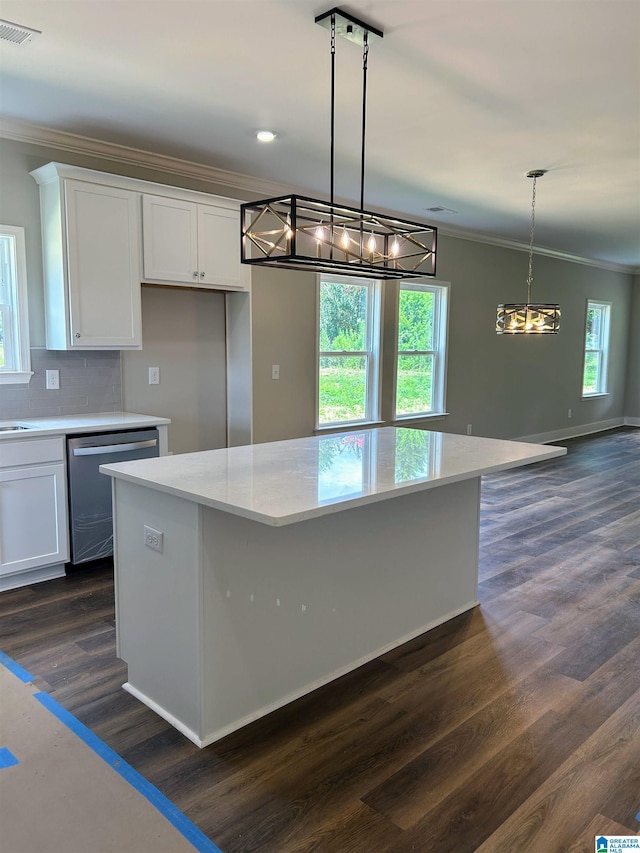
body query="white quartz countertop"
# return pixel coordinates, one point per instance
(289, 481)
(68, 424)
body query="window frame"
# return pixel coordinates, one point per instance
(602, 383)
(16, 311)
(372, 354)
(441, 291)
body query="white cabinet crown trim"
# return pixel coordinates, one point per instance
(52, 171)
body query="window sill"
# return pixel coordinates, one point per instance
(592, 396)
(15, 377)
(403, 419)
(320, 430)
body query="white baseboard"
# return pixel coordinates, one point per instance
(26, 578)
(576, 431)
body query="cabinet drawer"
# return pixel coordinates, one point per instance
(31, 451)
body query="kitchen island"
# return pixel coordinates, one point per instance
(247, 577)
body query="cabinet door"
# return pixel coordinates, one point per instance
(33, 518)
(103, 258)
(219, 249)
(169, 239)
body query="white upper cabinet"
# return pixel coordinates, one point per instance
(104, 234)
(192, 243)
(92, 268)
(169, 239)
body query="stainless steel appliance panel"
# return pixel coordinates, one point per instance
(90, 512)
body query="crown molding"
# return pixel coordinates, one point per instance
(64, 141)
(506, 243)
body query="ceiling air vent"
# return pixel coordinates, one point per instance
(16, 33)
(443, 211)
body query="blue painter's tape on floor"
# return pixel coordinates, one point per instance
(638, 816)
(149, 791)
(15, 668)
(7, 758)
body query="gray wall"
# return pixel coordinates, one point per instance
(520, 386)
(632, 397)
(284, 333)
(505, 387)
(183, 334)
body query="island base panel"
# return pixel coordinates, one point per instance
(158, 599)
(253, 616)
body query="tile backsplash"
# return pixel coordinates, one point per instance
(89, 382)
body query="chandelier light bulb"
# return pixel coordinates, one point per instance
(345, 238)
(371, 245)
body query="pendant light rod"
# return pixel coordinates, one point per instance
(365, 61)
(535, 174)
(353, 29)
(333, 104)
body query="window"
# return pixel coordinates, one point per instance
(422, 334)
(596, 349)
(349, 344)
(14, 322)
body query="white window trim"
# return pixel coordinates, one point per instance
(441, 352)
(374, 328)
(603, 385)
(22, 373)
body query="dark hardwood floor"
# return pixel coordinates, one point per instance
(515, 727)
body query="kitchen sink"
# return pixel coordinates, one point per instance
(13, 427)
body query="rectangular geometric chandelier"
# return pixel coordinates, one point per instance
(303, 233)
(297, 232)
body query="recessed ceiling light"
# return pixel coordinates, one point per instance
(265, 135)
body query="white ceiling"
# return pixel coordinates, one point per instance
(465, 97)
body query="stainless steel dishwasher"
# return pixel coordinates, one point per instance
(90, 513)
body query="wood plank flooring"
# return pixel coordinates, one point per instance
(514, 728)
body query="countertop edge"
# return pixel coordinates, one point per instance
(72, 424)
(335, 505)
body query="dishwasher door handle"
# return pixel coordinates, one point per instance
(113, 448)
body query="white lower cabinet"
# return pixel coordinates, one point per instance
(33, 511)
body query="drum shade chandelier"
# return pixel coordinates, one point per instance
(529, 318)
(297, 232)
